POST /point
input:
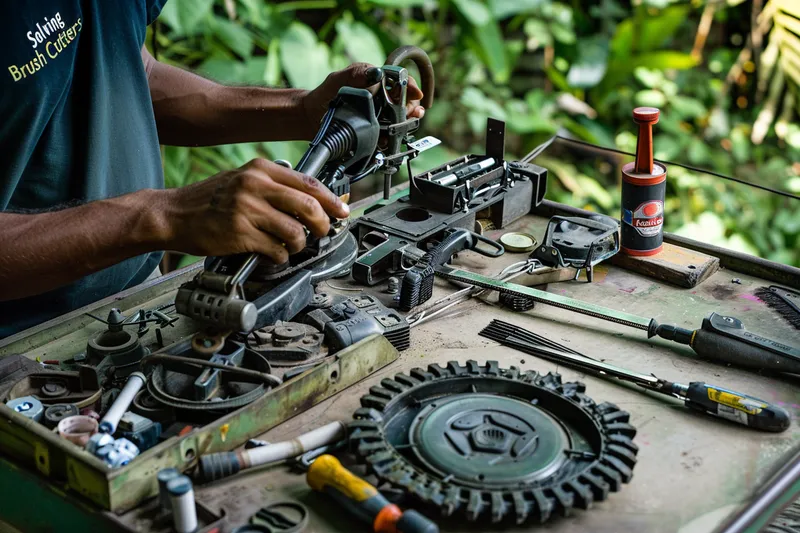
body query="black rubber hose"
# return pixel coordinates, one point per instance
(218, 465)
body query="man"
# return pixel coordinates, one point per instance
(84, 106)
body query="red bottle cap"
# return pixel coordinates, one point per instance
(645, 114)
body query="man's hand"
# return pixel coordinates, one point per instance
(315, 102)
(260, 207)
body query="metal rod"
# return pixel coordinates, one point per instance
(505, 334)
(774, 496)
(556, 300)
(533, 338)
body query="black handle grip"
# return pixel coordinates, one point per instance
(417, 286)
(737, 407)
(730, 350)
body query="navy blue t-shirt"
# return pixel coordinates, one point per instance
(76, 125)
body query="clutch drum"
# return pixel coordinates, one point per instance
(493, 444)
(484, 440)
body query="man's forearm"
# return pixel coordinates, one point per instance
(42, 251)
(193, 111)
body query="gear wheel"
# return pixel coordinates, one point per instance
(484, 442)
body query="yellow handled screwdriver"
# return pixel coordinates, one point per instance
(326, 474)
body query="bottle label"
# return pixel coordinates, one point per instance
(647, 219)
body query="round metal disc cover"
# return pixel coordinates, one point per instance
(518, 242)
(493, 444)
(484, 440)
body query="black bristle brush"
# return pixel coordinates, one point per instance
(785, 301)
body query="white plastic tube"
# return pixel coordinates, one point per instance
(280, 451)
(184, 512)
(134, 384)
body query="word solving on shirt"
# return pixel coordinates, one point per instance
(49, 39)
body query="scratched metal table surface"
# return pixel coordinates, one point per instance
(691, 471)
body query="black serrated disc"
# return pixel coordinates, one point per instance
(487, 443)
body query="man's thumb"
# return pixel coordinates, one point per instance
(363, 75)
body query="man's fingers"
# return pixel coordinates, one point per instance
(303, 206)
(414, 95)
(284, 228)
(270, 246)
(413, 92)
(308, 185)
(356, 75)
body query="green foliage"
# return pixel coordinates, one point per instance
(545, 67)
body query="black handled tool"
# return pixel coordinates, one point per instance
(710, 399)
(721, 338)
(417, 284)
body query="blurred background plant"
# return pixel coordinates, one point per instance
(725, 75)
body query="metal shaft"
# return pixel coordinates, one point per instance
(780, 491)
(505, 334)
(564, 302)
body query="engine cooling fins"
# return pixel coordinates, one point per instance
(491, 444)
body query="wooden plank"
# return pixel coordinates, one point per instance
(676, 265)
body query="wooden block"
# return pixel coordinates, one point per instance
(676, 265)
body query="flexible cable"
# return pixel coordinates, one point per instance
(545, 145)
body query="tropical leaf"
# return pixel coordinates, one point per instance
(360, 42)
(233, 35)
(780, 64)
(184, 16)
(634, 35)
(503, 9)
(590, 67)
(305, 60)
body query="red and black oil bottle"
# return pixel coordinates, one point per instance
(644, 183)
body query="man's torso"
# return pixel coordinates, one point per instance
(77, 126)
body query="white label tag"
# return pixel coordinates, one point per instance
(735, 415)
(425, 143)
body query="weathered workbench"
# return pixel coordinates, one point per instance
(692, 470)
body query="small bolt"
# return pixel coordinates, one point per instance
(728, 319)
(553, 252)
(394, 285)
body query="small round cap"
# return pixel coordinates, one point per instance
(166, 474)
(518, 242)
(645, 114)
(179, 485)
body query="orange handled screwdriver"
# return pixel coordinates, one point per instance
(327, 474)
